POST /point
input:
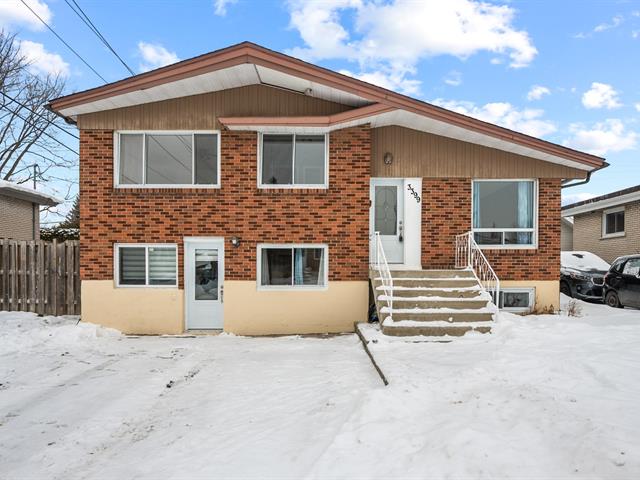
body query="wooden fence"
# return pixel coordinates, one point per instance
(41, 277)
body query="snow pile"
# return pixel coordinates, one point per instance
(584, 261)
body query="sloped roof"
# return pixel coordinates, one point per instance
(247, 63)
(14, 190)
(612, 199)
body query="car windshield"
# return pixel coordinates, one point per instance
(584, 261)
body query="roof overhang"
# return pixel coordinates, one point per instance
(27, 194)
(592, 206)
(249, 64)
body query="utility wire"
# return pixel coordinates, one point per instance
(62, 40)
(39, 114)
(43, 132)
(87, 21)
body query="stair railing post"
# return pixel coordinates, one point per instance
(469, 255)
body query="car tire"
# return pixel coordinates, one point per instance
(612, 300)
(565, 289)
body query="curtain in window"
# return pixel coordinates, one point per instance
(264, 270)
(298, 267)
(321, 269)
(525, 210)
(476, 205)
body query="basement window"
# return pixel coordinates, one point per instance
(293, 161)
(167, 159)
(292, 266)
(140, 265)
(518, 300)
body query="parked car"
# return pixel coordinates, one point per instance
(582, 275)
(622, 283)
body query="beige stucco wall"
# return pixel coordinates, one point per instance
(547, 292)
(16, 219)
(247, 311)
(133, 310)
(587, 234)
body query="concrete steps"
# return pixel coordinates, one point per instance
(433, 303)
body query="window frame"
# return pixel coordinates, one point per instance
(265, 246)
(604, 222)
(144, 133)
(146, 246)
(532, 299)
(534, 231)
(307, 186)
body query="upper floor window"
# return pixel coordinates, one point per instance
(293, 160)
(504, 213)
(167, 159)
(613, 222)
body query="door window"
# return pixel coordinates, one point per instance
(632, 267)
(386, 209)
(206, 274)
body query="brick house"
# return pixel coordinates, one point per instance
(20, 210)
(242, 189)
(608, 225)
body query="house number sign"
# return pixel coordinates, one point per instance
(413, 192)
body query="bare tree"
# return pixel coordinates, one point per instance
(29, 133)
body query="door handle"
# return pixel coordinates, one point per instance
(400, 231)
(221, 293)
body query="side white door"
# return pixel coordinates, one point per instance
(204, 283)
(387, 216)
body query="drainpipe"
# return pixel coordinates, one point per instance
(586, 180)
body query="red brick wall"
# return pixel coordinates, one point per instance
(337, 216)
(446, 212)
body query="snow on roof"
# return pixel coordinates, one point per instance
(11, 189)
(584, 261)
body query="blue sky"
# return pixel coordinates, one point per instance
(565, 71)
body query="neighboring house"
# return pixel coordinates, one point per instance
(609, 225)
(20, 211)
(240, 190)
(566, 235)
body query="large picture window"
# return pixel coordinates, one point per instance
(167, 159)
(293, 160)
(292, 266)
(140, 265)
(504, 213)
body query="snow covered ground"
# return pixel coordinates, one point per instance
(543, 396)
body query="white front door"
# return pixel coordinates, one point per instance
(387, 216)
(203, 283)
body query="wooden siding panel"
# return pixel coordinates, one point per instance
(420, 154)
(200, 112)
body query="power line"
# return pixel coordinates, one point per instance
(62, 40)
(39, 114)
(43, 132)
(87, 21)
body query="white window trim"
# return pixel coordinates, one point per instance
(532, 299)
(317, 186)
(116, 158)
(146, 246)
(534, 231)
(262, 246)
(604, 223)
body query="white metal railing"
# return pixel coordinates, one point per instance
(379, 263)
(469, 255)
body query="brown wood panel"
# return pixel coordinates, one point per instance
(201, 111)
(420, 154)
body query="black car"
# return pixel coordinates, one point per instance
(622, 283)
(582, 275)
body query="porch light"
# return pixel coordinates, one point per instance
(235, 241)
(388, 158)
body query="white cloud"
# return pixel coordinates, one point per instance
(453, 78)
(395, 36)
(603, 137)
(155, 55)
(569, 198)
(615, 22)
(15, 13)
(637, 105)
(42, 61)
(527, 120)
(601, 95)
(537, 92)
(220, 6)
